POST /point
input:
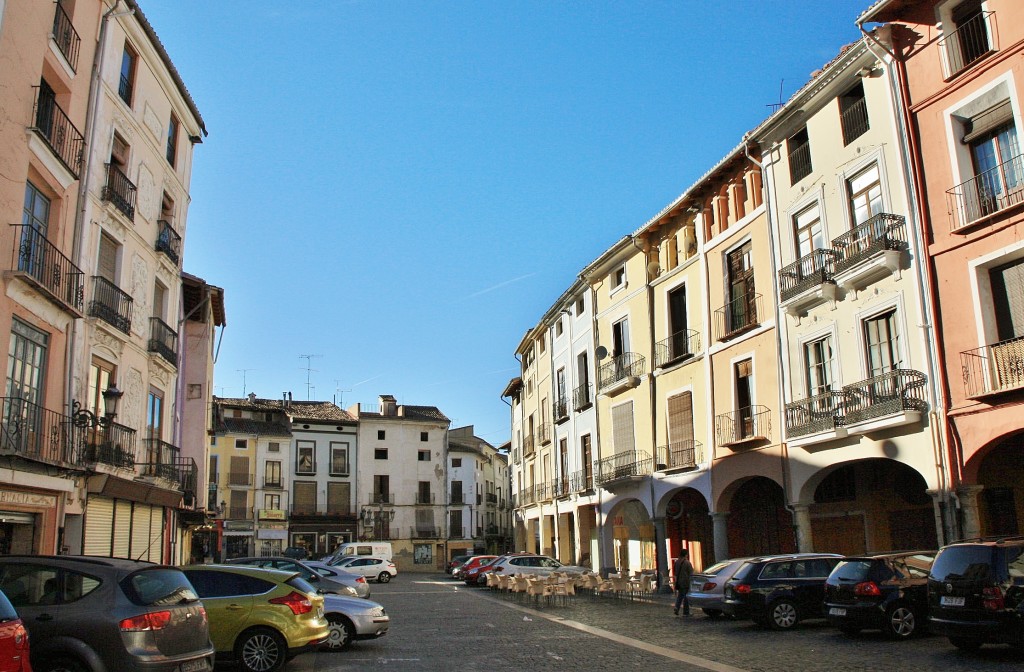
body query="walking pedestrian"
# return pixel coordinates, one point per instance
(682, 570)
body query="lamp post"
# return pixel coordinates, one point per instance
(83, 418)
(376, 519)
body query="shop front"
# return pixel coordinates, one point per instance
(238, 539)
(320, 535)
(28, 521)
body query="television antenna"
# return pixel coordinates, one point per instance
(309, 360)
(244, 371)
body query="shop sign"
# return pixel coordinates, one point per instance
(237, 525)
(271, 534)
(27, 499)
(271, 514)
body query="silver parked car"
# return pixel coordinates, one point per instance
(336, 585)
(357, 581)
(707, 589)
(372, 568)
(350, 619)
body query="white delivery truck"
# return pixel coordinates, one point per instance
(377, 549)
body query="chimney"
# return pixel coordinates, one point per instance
(252, 397)
(388, 405)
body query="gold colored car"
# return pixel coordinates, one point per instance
(260, 618)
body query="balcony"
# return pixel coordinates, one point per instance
(544, 433)
(561, 408)
(273, 484)
(111, 305)
(743, 426)
(173, 467)
(168, 241)
(161, 460)
(456, 533)
(581, 481)
(808, 281)
(54, 127)
(124, 89)
(119, 191)
(517, 456)
(491, 498)
(622, 372)
(799, 160)
(242, 478)
(870, 250)
(163, 340)
(528, 445)
(238, 513)
(560, 488)
(457, 498)
(66, 37)
(419, 532)
(624, 468)
(382, 498)
(967, 44)
(40, 264)
(542, 492)
(994, 369)
(526, 497)
(854, 118)
(738, 316)
(35, 433)
(679, 456)
(582, 397)
(984, 195)
(888, 400)
(424, 498)
(678, 347)
(114, 447)
(817, 415)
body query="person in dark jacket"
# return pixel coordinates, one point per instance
(682, 570)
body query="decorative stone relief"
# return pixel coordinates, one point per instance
(159, 373)
(107, 346)
(140, 294)
(147, 202)
(132, 402)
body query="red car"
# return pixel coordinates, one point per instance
(474, 576)
(13, 639)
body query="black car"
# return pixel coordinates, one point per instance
(880, 591)
(976, 592)
(295, 553)
(93, 614)
(779, 591)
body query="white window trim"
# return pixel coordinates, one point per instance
(832, 331)
(615, 289)
(789, 241)
(981, 289)
(736, 359)
(875, 310)
(876, 157)
(960, 161)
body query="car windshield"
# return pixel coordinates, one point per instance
(159, 587)
(717, 567)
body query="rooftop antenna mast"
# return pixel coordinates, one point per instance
(775, 107)
(243, 378)
(309, 370)
(339, 394)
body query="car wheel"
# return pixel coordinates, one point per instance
(340, 633)
(965, 644)
(62, 664)
(782, 615)
(901, 622)
(261, 650)
(383, 577)
(849, 629)
(712, 613)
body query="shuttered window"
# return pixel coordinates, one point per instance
(622, 428)
(239, 474)
(680, 418)
(304, 499)
(140, 532)
(99, 524)
(1008, 299)
(156, 535)
(339, 498)
(107, 262)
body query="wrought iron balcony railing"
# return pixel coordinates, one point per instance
(161, 460)
(52, 124)
(120, 191)
(491, 498)
(273, 484)
(809, 271)
(581, 481)
(239, 478)
(382, 498)
(544, 432)
(66, 37)
(854, 118)
(677, 347)
(986, 194)
(820, 413)
(39, 262)
(739, 315)
(880, 233)
(966, 44)
(238, 513)
(124, 89)
(561, 408)
(560, 487)
(680, 455)
(110, 304)
(424, 498)
(541, 492)
(889, 393)
(625, 465)
(626, 365)
(751, 423)
(114, 446)
(528, 445)
(582, 397)
(36, 433)
(419, 532)
(168, 241)
(517, 456)
(163, 340)
(994, 368)
(799, 161)
(526, 497)
(456, 532)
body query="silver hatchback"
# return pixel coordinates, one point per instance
(707, 589)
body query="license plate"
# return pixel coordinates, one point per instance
(320, 612)
(194, 665)
(948, 601)
(837, 611)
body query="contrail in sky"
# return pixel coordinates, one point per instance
(500, 285)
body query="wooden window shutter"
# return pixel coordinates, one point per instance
(305, 498)
(623, 440)
(107, 262)
(339, 498)
(680, 418)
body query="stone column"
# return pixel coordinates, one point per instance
(970, 519)
(802, 523)
(661, 554)
(720, 522)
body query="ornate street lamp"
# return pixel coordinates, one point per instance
(84, 418)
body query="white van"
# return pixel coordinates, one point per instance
(378, 549)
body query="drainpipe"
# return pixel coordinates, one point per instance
(597, 432)
(913, 176)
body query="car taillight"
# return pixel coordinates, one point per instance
(867, 589)
(20, 637)
(710, 585)
(202, 612)
(742, 589)
(297, 602)
(992, 598)
(360, 579)
(155, 620)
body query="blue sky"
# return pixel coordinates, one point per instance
(402, 189)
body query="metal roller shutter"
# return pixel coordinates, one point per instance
(140, 532)
(122, 528)
(99, 520)
(156, 535)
